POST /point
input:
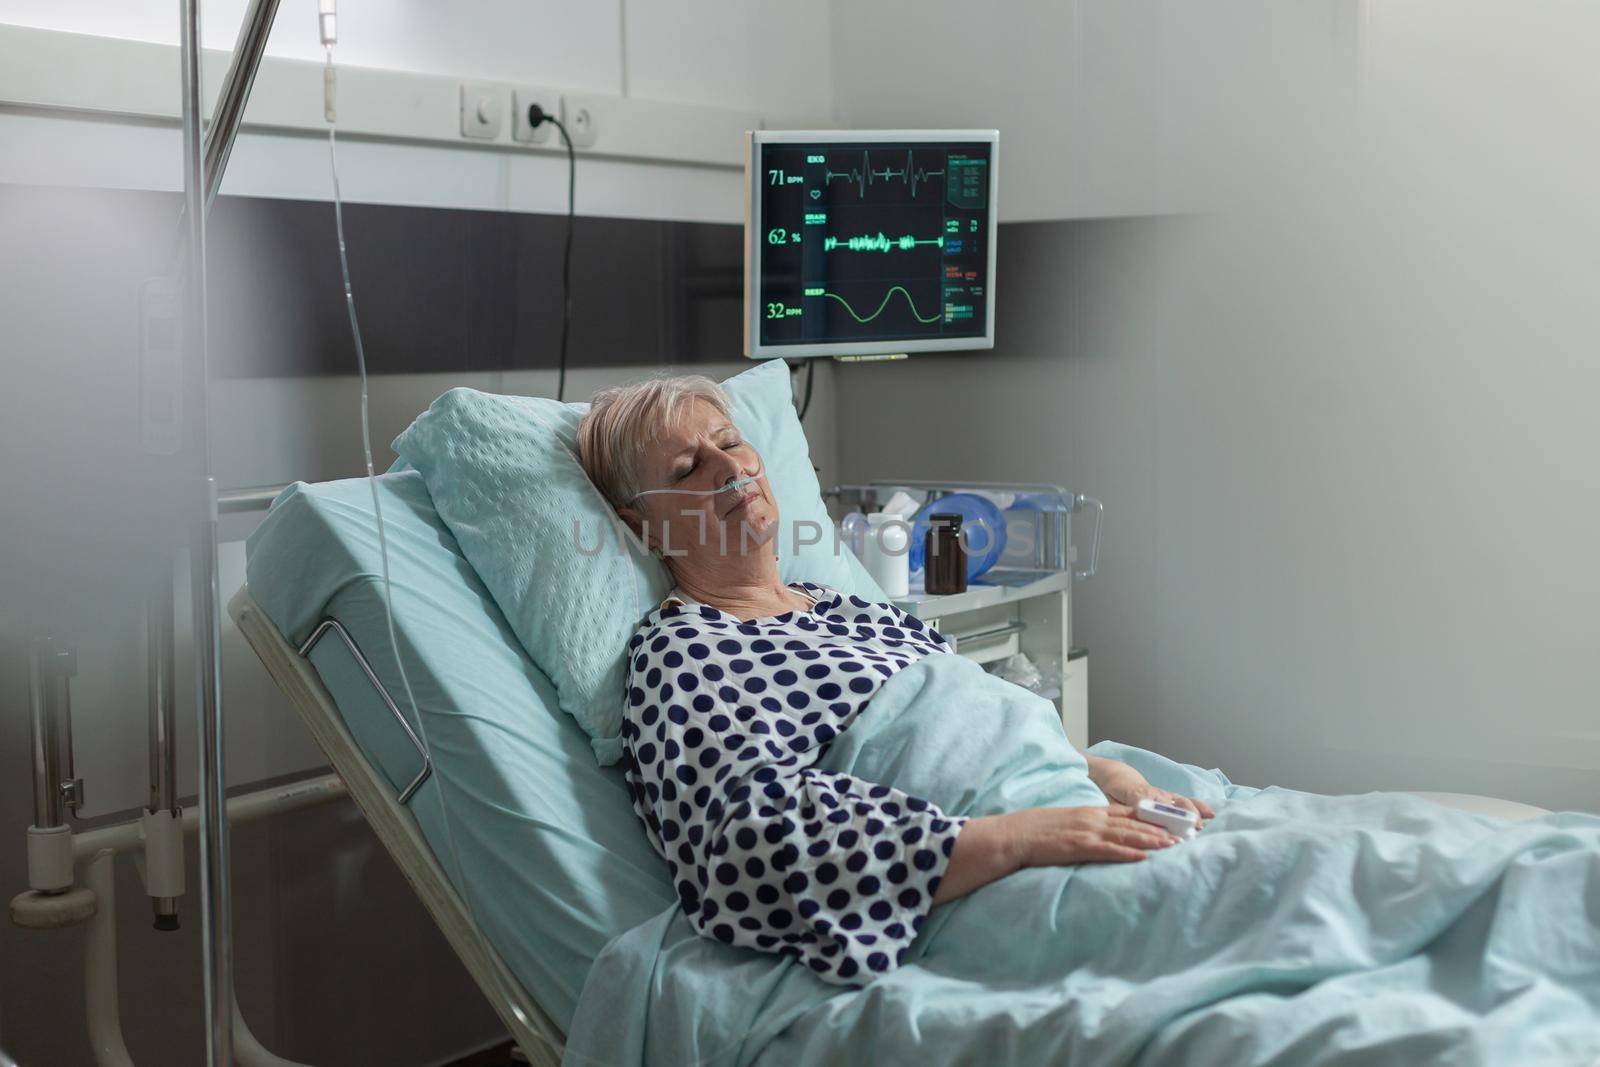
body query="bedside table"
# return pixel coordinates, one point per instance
(1021, 604)
(1031, 614)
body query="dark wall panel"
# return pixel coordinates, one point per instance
(450, 290)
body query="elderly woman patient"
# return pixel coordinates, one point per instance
(736, 685)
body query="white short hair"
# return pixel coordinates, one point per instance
(623, 420)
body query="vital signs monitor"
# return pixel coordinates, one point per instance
(869, 242)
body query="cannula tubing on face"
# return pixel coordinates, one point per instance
(732, 485)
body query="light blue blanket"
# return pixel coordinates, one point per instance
(1298, 929)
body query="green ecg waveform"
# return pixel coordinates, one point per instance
(866, 175)
(878, 243)
(896, 289)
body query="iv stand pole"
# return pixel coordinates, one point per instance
(205, 155)
(215, 917)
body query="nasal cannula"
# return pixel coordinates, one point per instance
(731, 485)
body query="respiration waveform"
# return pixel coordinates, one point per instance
(878, 243)
(895, 289)
(866, 175)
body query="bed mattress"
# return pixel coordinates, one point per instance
(542, 844)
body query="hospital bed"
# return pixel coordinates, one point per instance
(538, 862)
(530, 1027)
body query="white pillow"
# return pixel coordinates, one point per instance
(504, 475)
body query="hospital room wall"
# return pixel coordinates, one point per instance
(723, 53)
(336, 960)
(1106, 108)
(714, 52)
(1326, 567)
(1343, 430)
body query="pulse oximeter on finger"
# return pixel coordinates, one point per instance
(1181, 822)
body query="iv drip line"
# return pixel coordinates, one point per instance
(326, 24)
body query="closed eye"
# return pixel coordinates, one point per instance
(681, 475)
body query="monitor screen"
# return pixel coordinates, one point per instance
(870, 242)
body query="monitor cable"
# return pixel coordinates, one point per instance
(537, 116)
(811, 374)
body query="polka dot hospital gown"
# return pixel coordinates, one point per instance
(723, 723)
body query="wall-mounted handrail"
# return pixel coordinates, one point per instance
(248, 498)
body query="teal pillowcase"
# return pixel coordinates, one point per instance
(504, 476)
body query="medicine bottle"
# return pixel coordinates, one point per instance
(944, 558)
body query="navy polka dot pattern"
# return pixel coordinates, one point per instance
(723, 724)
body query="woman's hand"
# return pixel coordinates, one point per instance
(1123, 784)
(1056, 837)
(994, 846)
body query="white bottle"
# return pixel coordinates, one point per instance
(886, 552)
